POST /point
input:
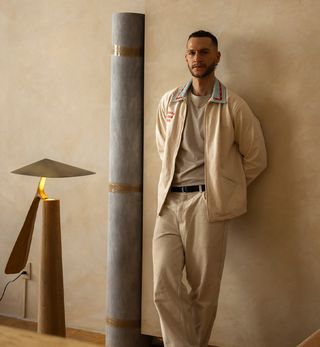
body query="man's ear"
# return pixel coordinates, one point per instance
(218, 56)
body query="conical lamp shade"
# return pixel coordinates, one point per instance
(51, 168)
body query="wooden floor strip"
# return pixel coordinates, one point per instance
(77, 334)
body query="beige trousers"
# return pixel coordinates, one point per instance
(184, 239)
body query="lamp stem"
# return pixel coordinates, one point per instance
(51, 316)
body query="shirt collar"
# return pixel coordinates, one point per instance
(219, 93)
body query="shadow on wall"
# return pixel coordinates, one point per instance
(273, 260)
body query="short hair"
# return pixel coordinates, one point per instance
(202, 33)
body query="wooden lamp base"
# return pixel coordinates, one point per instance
(51, 316)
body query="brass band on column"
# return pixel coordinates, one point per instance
(122, 51)
(123, 323)
(124, 188)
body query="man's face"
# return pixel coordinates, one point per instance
(202, 56)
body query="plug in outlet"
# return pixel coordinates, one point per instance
(27, 269)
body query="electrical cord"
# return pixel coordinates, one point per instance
(5, 288)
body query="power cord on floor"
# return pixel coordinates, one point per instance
(5, 288)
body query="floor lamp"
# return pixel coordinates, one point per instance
(51, 316)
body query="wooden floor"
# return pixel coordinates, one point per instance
(76, 334)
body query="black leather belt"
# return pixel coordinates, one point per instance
(188, 189)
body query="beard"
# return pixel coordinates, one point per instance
(205, 73)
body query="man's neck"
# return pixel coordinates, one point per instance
(203, 86)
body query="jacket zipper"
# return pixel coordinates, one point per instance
(205, 158)
(178, 146)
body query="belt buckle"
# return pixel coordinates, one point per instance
(185, 189)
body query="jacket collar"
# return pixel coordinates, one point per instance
(219, 93)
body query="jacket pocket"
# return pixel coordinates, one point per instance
(225, 190)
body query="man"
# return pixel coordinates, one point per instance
(211, 147)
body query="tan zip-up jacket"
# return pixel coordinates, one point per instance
(234, 153)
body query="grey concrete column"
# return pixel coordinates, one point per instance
(125, 183)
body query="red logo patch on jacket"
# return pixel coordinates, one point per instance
(169, 116)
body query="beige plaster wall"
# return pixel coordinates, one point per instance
(270, 56)
(54, 102)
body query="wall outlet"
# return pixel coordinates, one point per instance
(27, 269)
